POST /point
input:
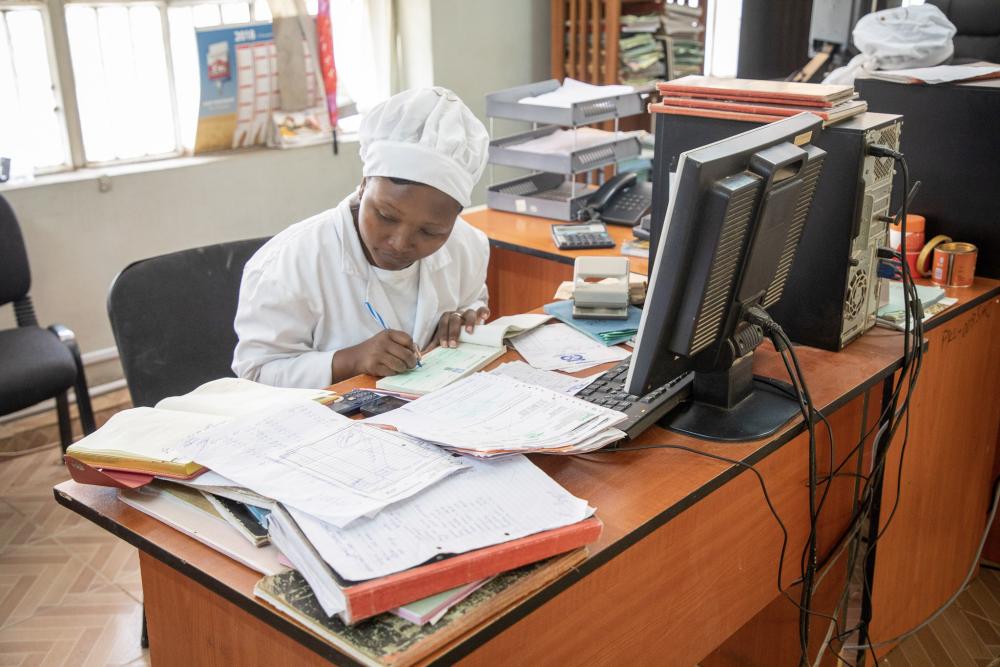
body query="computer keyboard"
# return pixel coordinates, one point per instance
(643, 411)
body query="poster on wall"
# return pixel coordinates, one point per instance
(239, 93)
(238, 71)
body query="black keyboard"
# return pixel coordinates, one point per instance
(643, 411)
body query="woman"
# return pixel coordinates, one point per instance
(363, 287)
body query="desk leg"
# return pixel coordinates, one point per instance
(190, 625)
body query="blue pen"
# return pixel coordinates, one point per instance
(381, 322)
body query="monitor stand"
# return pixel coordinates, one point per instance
(734, 406)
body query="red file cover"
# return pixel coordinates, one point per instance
(753, 90)
(84, 473)
(844, 109)
(375, 596)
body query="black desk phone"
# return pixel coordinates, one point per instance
(622, 200)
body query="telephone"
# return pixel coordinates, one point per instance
(622, 200)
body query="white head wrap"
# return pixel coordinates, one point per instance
(429, 136)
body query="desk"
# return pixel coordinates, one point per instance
(525, 265)
(684, 572)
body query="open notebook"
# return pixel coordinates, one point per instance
(143, 439)
(443, 365)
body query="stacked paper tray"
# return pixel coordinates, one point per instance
(504, 104)
(616, 148)
(544, 195)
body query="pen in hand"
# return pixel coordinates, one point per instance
(381, 322)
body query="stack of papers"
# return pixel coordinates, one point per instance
(939, 73)
(559, 347)
(494, 502)
(564, 142)
(563, 384)
(892, 315)
(308, 457)
(572, 91)
(606, 332)
(488, 415)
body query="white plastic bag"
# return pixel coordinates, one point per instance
(900, 38)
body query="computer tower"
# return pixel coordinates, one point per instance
(831, 296)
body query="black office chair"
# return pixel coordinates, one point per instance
(172, 318)
(35, 363)
(977, 24)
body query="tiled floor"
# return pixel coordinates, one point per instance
(70, 593)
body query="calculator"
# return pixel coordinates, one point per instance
(586, 236)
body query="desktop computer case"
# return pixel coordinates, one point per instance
(832, 293)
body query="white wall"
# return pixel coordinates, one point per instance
(78, 238)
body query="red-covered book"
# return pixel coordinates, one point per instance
(754, 90)
(374, 596)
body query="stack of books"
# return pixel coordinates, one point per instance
(349, 522)
(641, 55)
(755, 100)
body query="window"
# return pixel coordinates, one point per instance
(135, 75)
(32, 128)
(122, 84)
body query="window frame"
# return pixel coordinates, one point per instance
(61, 72)
(62, 109)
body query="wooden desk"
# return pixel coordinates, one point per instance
(525, 265)
(947, 471)
(688, 557)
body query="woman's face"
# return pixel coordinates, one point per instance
(400, 224)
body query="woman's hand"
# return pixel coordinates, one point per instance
(386, 353)
(451, 323)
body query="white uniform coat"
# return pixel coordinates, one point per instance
(303, 293)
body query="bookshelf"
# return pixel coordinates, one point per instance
(587, 37)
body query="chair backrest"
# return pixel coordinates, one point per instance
(15, 276)
(977, 23)
(172, 318)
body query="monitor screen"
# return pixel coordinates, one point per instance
(735, 216)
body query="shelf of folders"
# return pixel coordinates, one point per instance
(560, 150)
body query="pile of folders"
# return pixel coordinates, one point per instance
(755, 100)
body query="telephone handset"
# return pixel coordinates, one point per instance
(622, 200)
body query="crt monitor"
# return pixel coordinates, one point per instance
(735, 217)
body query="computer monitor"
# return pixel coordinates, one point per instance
(736, 213)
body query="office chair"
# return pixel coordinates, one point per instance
(35, 363)
(978, 29)
(172, 318)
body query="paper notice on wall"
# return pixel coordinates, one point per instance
(239, 89)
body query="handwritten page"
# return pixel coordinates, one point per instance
(561, 347)
(564, 384)
(495, 502)
(494, 333)
(148, 433)
(236, 397)
(308, 457)
(440, 367)
(489, 415)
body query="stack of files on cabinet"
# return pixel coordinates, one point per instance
(755, 100)
(488, 415)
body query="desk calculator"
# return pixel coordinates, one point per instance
(586, 236)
